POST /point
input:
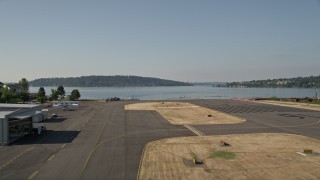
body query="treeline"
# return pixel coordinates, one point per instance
(106, 81)
(14, 93)
(57, 94)
(19, 93)
(298, 82)
(213, 84)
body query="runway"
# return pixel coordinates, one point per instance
(103, 141)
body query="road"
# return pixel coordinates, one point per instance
(103, 141)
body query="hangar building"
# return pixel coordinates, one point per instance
(16, 121)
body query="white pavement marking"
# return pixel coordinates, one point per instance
(194, 130)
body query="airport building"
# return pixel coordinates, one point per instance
(66, 104)
(16, 121)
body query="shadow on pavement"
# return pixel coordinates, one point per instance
(54, 120)
(49, 137)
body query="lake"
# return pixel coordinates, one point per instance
(184, 92)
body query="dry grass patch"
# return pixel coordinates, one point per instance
(250, 156)
(186, 113)
(307, 106)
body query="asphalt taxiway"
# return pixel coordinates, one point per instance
(103, 141)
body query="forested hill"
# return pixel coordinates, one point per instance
(299, 82)
(106, 81)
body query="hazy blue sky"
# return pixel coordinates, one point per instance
(183, 40)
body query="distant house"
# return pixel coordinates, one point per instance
(33, 95)
(14, 87)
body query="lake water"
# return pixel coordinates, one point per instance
(183, 92)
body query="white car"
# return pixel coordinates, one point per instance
(54, 115)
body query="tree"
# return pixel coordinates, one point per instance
(24, 95)
(5, 93)
(24, 84)
(24, 89)
(8, 96)
(41, 96)
(75, 95)
(61, 91)
(54, 94)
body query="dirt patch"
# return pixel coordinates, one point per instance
(249, 156)
(314, 107)
(141, 106)
(186, 113)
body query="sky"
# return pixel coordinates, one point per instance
(184, 40)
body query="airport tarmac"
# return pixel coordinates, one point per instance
(103, 141)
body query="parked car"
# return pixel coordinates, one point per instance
(115, 99)
(54, 115)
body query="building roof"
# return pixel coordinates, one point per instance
(4, 113)
(18, 105)
(25, 114)
(6, 109)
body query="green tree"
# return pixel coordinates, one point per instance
(75, 95)
(24, 84)
(7, 95)
(61, 91)
(4, 93)
(41, 96)
(24, 95)
(54, 94)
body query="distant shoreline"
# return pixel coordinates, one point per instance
(297, 82)
(107, 81)
(183, 92)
